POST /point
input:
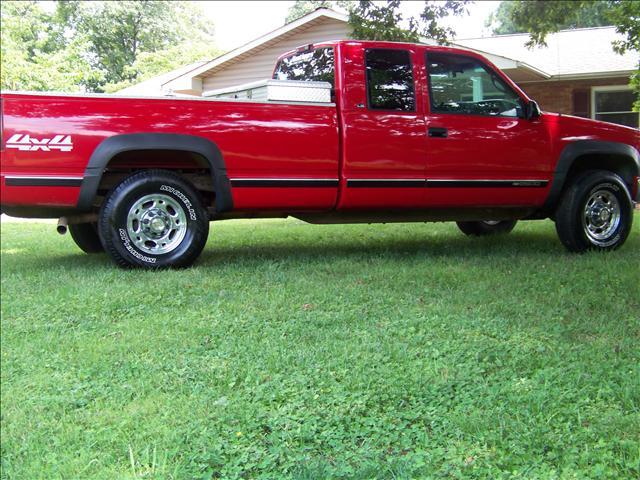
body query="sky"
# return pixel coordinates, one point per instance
(239, 22)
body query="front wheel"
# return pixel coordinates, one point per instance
(153, 219)
(486, 227)
(595, 212)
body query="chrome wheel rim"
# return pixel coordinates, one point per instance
(601, 216)
(491, 223)
(156, 224)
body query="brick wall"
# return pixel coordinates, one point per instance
(558, 96)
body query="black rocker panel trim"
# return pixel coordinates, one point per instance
(283, 182)
(577, 149)
(486, 183)
(374, 183)
(408, 183)
(42, 182)
(112, 146)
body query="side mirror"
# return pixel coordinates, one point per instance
(532, 110)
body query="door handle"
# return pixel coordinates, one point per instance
(438, 132)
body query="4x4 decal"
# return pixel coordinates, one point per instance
(25, 142)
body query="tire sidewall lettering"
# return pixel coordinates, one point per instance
(183, 198)
(126, 242)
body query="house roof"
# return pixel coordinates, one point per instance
(155, 84)
(579, 53)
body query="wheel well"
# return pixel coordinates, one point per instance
(192, 166)
(621, 165)
(582, 156)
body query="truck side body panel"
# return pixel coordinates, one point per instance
(258, 141)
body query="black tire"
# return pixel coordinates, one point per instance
(86, 237)
(487, 227)
(153, 219)
(595, 212)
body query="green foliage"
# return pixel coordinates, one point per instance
(294, 351)
(302, 7)
(625, 15)
(29, 25)
(88, 45)
(371, 21)
(566, 14)
(539, 18)
(35, 55)
(119, 31)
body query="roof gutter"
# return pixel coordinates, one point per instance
(536, 71)
(506, 63)
(585, 76)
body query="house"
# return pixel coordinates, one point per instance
(577, 73)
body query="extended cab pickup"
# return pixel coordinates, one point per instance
(404, 132)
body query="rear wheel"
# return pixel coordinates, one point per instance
(153, 219)
(595, 212)
(487, 227)
(86, 237)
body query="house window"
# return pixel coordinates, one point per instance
(614, 104)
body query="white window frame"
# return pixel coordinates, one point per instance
(607, 88)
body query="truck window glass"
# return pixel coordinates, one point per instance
(463, 85)
(311, 66)
(390, 80)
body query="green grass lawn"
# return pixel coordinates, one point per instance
(312, 352)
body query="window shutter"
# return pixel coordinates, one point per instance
(581, 101)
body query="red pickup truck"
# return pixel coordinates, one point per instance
(403, 133)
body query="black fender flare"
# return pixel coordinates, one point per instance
(112, 146)
(577, 149)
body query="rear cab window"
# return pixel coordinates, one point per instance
(459, 84)
(316, 65)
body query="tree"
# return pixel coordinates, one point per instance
(119, 31)
(370, 21)
(93, 46)
(302, 7)
(505, 19)
(540, 18)
(35, 54)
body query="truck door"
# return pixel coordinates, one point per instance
(383, 123)
(481, 152)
